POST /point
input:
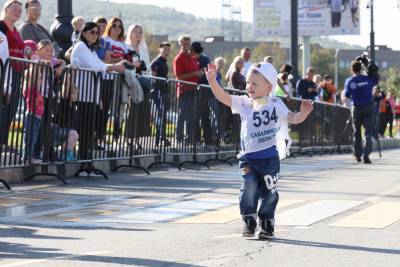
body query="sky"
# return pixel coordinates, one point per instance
(386, 15)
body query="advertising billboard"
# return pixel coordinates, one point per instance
(316, 17)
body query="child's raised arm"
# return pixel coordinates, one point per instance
(218, 91)
(305, 110)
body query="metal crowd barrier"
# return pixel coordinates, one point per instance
(84, 117)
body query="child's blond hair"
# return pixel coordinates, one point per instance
(75, 20)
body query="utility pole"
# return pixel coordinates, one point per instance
(372, 33)
(294, 38)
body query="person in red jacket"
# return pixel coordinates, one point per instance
(186, 68)
(11, 13)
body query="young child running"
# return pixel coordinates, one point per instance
(264, 120)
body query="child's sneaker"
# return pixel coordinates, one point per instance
(249, 228)
(267, 230)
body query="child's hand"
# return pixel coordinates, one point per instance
(306, 106)
(211, 72)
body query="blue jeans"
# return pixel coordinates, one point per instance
(32, 129)
(259, 182)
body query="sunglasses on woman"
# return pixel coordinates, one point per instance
(93, 32)
(117, 26)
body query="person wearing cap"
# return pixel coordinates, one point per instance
(264, 131)
(160, 96)
(207, 101)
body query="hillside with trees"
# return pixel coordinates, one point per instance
(157, 20)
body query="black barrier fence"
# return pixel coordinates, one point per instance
(80, 117)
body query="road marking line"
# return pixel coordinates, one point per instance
(226, 214)
(314, 212)
(378, 216)
(223, 215)
(30, 262)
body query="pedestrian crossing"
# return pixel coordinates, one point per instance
(48, 209)
(379, 215)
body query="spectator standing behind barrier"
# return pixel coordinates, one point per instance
(159, 68)
(219, 62)
(114, 34)
(288, 69)
(45, 52)
(397, 117)
(30, 29)
(77, 23)
(84, 56)
(103, 51)
(360, 89)
(317, 80)
(306, 88)
(328, 90)
(235, 78)
(246, 55)
(137, 48)
(386, 109)
(377, 97)
(139, 116)
(35, 110)
(186, 68)
(10, 14)
(223, 111)
(282, 88)
(208, 105)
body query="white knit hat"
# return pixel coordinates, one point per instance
(267, 70)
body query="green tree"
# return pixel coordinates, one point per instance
(391, 80)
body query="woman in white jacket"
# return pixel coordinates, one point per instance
(84, 57)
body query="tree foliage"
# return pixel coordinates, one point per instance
(391, 80)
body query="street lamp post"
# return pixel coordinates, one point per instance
(61, 30)
(370, 5)
(294, 39)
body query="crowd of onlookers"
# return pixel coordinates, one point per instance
(106, 46)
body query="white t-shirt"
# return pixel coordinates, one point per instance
(264, 124)
(246, 67)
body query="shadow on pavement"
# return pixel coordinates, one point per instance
(335, 246)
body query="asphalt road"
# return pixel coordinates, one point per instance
(332, 212)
